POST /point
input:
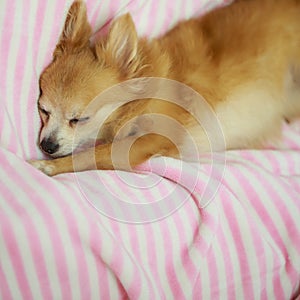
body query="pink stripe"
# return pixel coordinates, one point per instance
(58, 249)
(59, 14)
(5, 292)
(126, 211)
(4, 120)
(292, 144)
(266, 219)
(114, 7)
(140, 274)
(4, 61)
(151, 21)
(228, 261)
(116, 268)
(73, 230)
(95, 243)
(214, 277)
(186, 259)
(277, 162)
(97, 9)
(290, 226)
(188, 265)
(162, 189)
(34, 244)
(134, 289)
(19, 75)
(262, 264)
(116, 261)
(211, 222)
(290, 164)
(169, 266)
(135, 9)
(38, 29)
(240, 250)
(153, 256)
(6, 33)
(291, 136)
(15, 253)
(277, 286)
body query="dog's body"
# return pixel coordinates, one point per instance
(244, 59)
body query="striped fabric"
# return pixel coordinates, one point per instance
(174, 231)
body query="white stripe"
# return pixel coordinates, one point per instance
(160, 18)
(232, 250)
(22, 242)
(9, 271)
(269, 276)
(106, 257)
(145, 253)
(102, 15)
(189, 10)
(50, 22)
(59, 218)
(41, 231)
(71, 257)
(7, 129)
(205, 285)
(26, 82)
(242, 217)
(10, 72)
(137, 10)
(177, 12)
(181, 276)
(221, 279)
(126, 275)
(270, 205)
(143, 28)
(161, 256)
(91, 263)
(248, 206)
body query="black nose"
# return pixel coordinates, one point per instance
(48, 146)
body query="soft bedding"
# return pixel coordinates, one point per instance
(225, 228)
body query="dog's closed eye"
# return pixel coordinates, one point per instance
(44, 111)
(75, 121)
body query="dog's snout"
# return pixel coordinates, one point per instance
(49, 146)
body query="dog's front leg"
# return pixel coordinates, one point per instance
(124, 154)
(131, 151)
(121, 155)
(55, 166)
(72, 163)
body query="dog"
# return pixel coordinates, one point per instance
(243, 59)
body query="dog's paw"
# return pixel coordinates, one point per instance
(46, 166)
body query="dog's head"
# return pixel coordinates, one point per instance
(78, 73)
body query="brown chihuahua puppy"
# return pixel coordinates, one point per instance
(243, 59)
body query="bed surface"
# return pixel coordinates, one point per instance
(177, 230)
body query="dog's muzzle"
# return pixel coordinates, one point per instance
(48, 146)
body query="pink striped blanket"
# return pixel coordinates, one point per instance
(227, 228)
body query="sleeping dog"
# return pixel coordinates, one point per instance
(243, 59)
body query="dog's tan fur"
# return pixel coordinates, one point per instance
(243, 59)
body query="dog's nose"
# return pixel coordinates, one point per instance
(48, 146)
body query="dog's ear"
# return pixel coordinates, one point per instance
(76, 32)
(122, 44)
